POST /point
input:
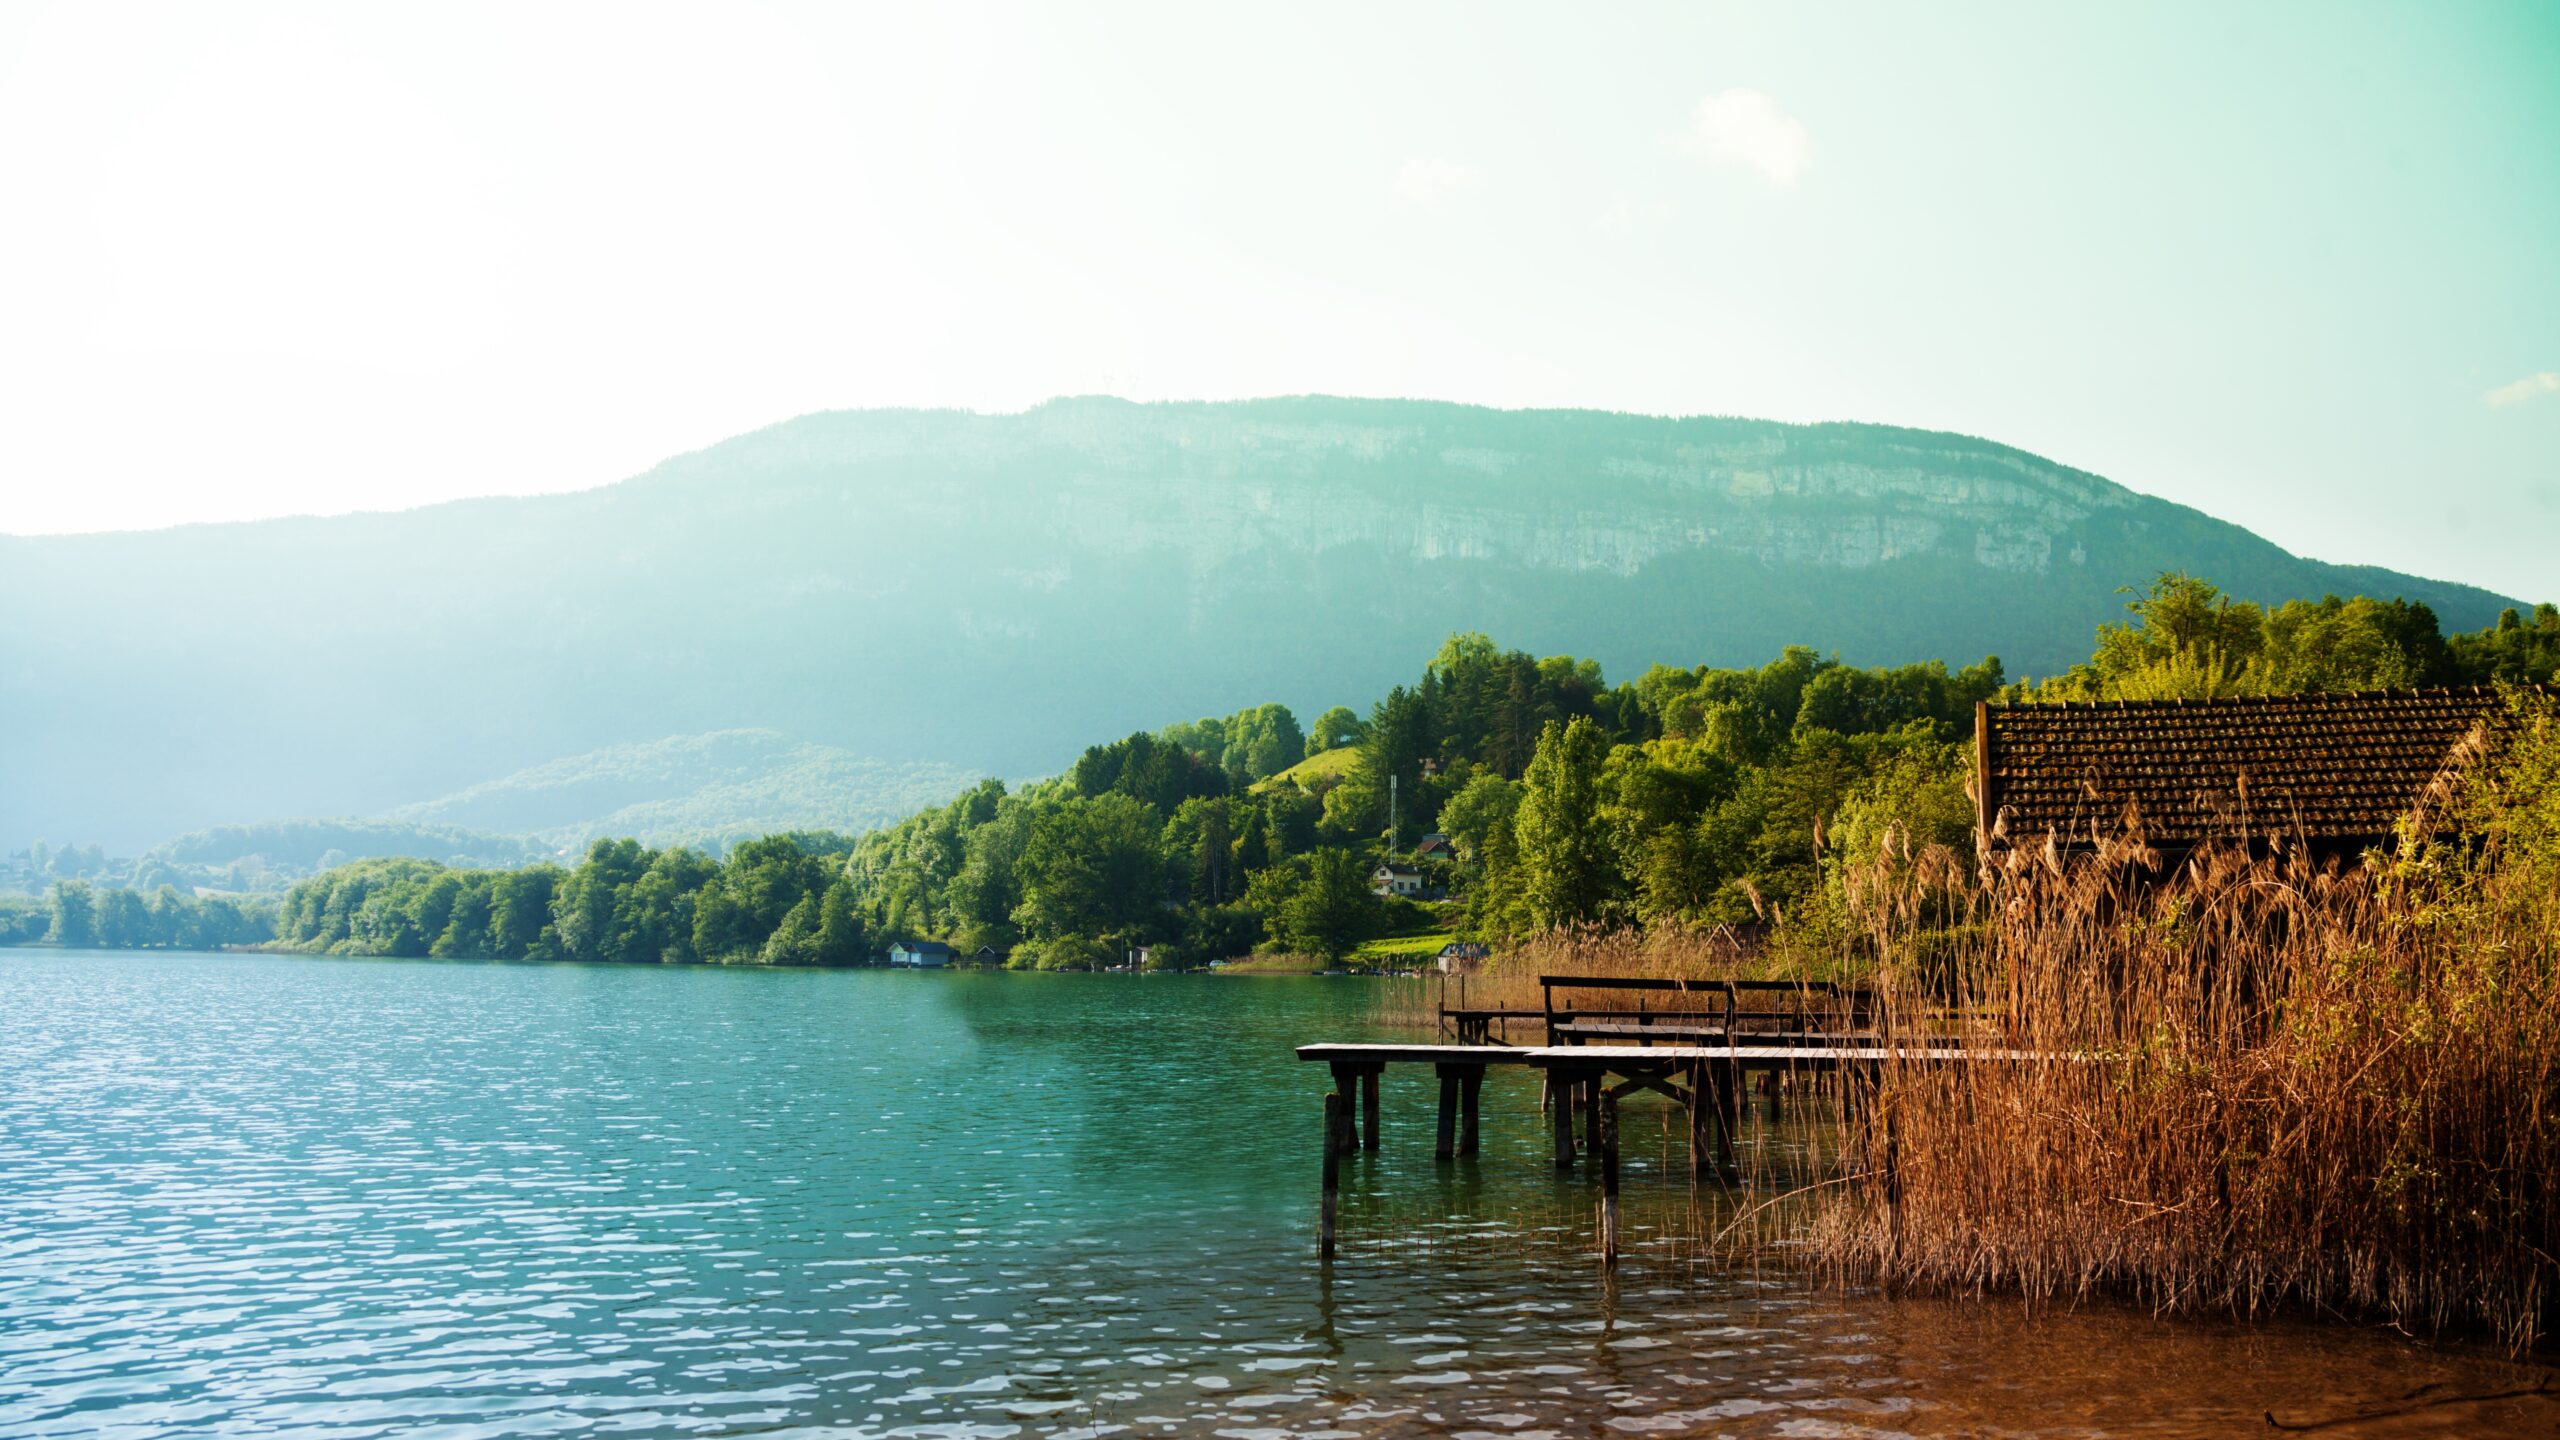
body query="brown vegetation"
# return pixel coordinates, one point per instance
(2268, 1081)
(2261, 1080)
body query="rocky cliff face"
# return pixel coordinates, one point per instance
(1117, 480)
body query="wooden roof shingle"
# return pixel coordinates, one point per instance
(2331, 770)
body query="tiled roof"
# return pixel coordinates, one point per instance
(2330, 769)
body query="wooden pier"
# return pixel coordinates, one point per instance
(1700, 1055)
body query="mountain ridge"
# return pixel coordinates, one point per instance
(989, 591)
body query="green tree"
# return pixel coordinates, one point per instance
(520, 911)
(1488, 804)
(1565, 875)
(1334, 729)
(795, 940)
(1091, 870)
(124, 920)
(75, 914)
(843, 938)
(1331, 909)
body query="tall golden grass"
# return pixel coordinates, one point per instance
(2261, 1081)
(2258, 1080)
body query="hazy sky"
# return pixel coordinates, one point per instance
(2298, 266)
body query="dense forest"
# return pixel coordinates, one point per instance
(1555, 798)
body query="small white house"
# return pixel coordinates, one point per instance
(1394, 879)
(920, 954)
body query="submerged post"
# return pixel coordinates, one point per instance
(1700, 1097)
(1561, 1084)
(1369, 1106)
(1346, 1082)
(1334, 1120)
(1470, 1083)
(1607, 1143)
(1444, 1145)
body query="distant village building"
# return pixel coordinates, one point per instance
(1461, 952)
(2331, 774)
(920, 954)
(1435, 845)
(1393, 878)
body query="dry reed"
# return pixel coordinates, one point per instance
(2261, 1081)
(2256, 1080)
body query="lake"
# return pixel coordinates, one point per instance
(254, 1195)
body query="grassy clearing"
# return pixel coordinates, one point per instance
(1332, 765)
(1401, 951)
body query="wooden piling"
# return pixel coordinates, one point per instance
(1334, 1121)
(1607, 1144)
(1470, 1088)
(1563, 1114)
(1700, 1097)
(1444, 1146)
(1346, 1086)
(1369, 1107)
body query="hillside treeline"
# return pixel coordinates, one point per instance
(1694, 796)
(107, 917)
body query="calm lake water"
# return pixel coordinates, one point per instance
(246, 1195)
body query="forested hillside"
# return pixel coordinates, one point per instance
(1684, 797)
(989, 592)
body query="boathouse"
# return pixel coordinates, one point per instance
(920, 955)
(2332, 774)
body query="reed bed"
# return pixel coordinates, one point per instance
(2259, 1081)
(2244, 1079)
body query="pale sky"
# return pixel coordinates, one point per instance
(2298, 266)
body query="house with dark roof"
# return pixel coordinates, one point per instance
(920, 955)
(1397, 878)
(2330, 773)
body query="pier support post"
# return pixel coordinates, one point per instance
(1592, 1085)
(1334, 1121)
(1701, 1095)
(1444, 1145)
(1346, 1084)
(1470, 1086)
(1560, 1083)
(1369, 1106)
(1607, 1143)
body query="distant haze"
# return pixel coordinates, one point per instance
(2288, 263)
(943, 594)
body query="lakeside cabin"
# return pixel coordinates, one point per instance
(1394, 878)
(2330, 774)
(920, 955)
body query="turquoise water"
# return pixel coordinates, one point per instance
(252, 1195)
